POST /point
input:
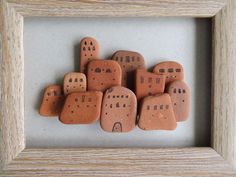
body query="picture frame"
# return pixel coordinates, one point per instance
(217, 160)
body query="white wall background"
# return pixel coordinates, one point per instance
(52, 49)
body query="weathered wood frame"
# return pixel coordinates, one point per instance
(218, 160)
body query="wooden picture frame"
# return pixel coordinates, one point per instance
(217, 160)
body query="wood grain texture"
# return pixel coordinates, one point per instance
(118, 8)
(12, 82)
(119, 162)
(224, 83)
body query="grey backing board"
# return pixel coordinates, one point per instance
(52, 49)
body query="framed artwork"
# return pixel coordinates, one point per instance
(217, 160)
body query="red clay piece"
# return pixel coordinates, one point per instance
(119, 109)
(81, 108)
(53, 100)
(180, 97)
(89, 50)
(103, 74)
(74, 82)
(157, 113)
(129, 61)
(148, 83)
(171, 69)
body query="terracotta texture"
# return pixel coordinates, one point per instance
(74, 82)
(147, 83)
(89, 50)
(53, 100)
(129, 61)
(103, 74)
(157, 113)
(119, 109)
(180, 97)
(171, 69)
(81, 108)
